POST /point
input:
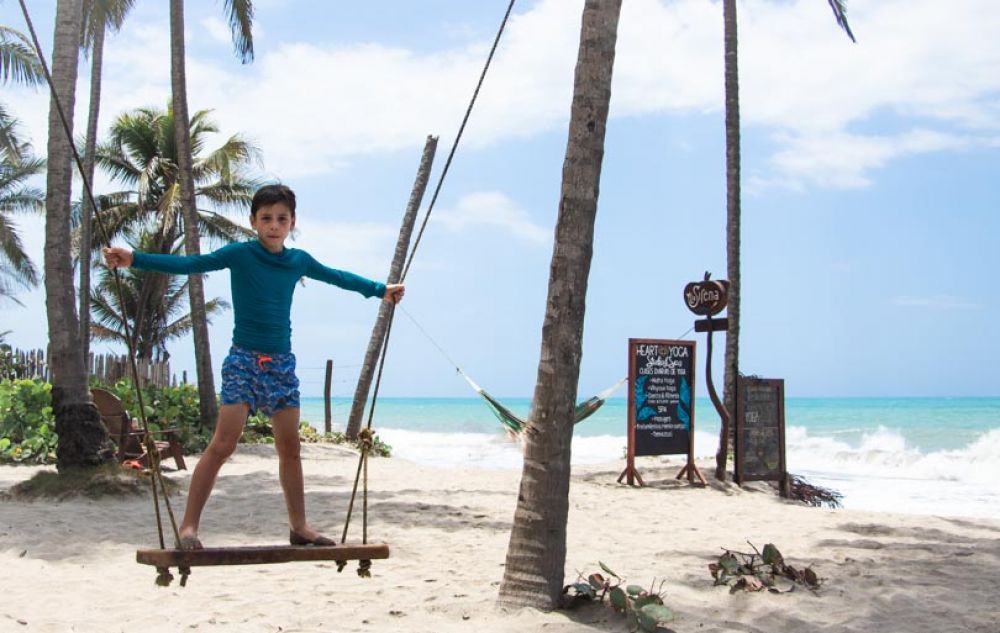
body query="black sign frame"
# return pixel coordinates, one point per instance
(640, 381)
(745, 389)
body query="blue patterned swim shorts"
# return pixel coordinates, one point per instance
(265, 382)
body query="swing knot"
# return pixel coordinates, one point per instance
(364, 569)
(366, 439)
(341, 564)
(163, 577)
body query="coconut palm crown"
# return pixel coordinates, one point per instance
(140, 153)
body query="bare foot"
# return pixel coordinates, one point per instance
(308, 536)
(190, 542)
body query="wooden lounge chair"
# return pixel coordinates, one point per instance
(131, 441)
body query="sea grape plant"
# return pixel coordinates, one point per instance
(758, 570)
(643, 609)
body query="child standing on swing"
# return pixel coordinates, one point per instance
(259, 372)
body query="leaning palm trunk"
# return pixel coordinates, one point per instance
(395, 271)
(83, 440)
(732, 357)
(536, 555)
(90, 145)
(192, 245)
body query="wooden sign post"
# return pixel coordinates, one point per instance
(760, 431)
(708, 298)
(660, 403)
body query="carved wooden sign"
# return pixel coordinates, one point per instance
(707, 297)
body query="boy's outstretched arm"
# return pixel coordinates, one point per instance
(394, 292)
(117, 257)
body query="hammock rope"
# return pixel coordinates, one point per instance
(511, 421)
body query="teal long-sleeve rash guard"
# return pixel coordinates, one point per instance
(262, 286)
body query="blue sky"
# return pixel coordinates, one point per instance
(870, 224)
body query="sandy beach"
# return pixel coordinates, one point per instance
(69, 565)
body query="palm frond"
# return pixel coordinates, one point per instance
(18, 61)
(226, 162)
(22, 200)
(240, 14)
(108, 15)
(222, 229)
(14, 261)
(7, 292)
(13, 147)
(840, 13)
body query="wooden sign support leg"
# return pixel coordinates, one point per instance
(630, 471)
(632, 474)
(692, 471)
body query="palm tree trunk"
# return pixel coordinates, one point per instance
(86, 230)
(83, 440)
(536, 555)
(395, 270)
(192, 245)
(732, 357)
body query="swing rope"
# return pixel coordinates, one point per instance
(367, 437)
(156, 478)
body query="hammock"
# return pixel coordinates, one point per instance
(515, 424)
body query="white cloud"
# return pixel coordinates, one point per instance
(934, 302)
(492, 209)
(844, 160)
(362, 248)
(217, 30)
(930, 67)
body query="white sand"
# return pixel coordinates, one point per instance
(69, 566)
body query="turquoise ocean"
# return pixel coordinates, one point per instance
(936, 456)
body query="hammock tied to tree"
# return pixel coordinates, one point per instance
(516, 425)
(510, 421)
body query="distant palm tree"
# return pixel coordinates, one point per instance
(733, 216)
(240, 15)
(151, 302)
(98, 17)
(17, 167)
(140, 153)
(536, 556)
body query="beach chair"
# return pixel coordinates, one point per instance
(131, 440)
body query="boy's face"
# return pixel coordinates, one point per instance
(273, 223)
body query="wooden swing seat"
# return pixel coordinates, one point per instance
(260, 554)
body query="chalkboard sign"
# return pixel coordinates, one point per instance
(661, 396)
(760, 429)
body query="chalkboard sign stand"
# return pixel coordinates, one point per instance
(760, 432)
(631, 473)
(660, 404)
(692, 470)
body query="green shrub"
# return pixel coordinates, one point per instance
(27, 427)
